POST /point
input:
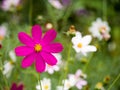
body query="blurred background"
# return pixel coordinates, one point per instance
(60, 15)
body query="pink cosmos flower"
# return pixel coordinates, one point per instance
(0, 46)
(38, 49)
(17, 87)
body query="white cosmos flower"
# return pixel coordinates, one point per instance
(100, 29)
(50, 69)
(76, 79)
(7, 4)
(9, 65)
(45, 83)
(68, 83)
(80, 44)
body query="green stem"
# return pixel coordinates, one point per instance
(39, 82)
(104, 9)
(114, 82)
(85, 68)
(4, 77)
(67, 64)
(30, 13)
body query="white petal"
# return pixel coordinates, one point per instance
(77, 38)
(12, 55)
(78, 34)
(50, 71)
(56, 4)
(78, 73)
(86, 39)
(59, 87)
(99, 20)
(56, 68)
(8, 67)
(37, 87)
(89, 48)
(76, 49)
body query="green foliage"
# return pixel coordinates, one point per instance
(103, 62)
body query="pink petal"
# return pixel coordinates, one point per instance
(14, 86)
(53, 48)
(25, 39)
(49, 58)
(36, 33)
(23, 50)
(49, 37)
(78, 73)
(28, 60)
(20, 87)
(40, 64)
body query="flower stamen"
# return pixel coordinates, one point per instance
(79, 45)
(46, 87)
(102, 29)
(38, 47)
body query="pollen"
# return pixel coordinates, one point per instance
(1, 38)
(38, 47)
(46, 87)
(79, 45)
(102, 29)
(48, 65)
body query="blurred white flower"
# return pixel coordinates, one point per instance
(80, 44)
(8, 4)
(78, 79)
(45, 83)
(3, 31)
(100, 29)
(56, 4)
(50, 69)
(9, 65)
(12, 55)
(67, 84)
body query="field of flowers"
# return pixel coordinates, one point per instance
(59, 45)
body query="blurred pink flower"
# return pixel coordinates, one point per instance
(81, 83)
(38, 49)
(3, 31)
(78, 79)
(17, 87)
(56, 4)
(0, 46)
(7, 4)
(59, 4)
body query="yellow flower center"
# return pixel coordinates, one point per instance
(99, 85)
(48, 65)
(1, 38)
(102, 29)
(38, 47)
(79, 45)
(46, 87)
(68, 85)
(11, 62)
